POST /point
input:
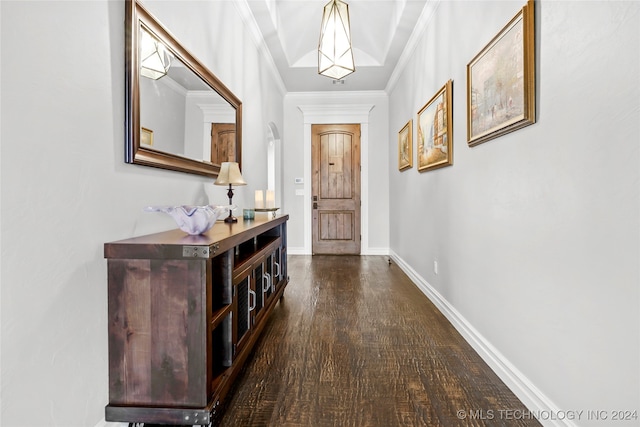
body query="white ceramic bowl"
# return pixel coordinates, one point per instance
(193, 220)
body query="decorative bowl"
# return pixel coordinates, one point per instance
(193, 220)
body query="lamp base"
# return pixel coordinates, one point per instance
(230, 219)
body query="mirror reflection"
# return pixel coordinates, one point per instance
(181, 116)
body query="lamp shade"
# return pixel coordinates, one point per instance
(230, 174)
(335, 55)
(155, 59)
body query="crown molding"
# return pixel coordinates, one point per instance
(362, 95)
(425, 17)
(256, 35)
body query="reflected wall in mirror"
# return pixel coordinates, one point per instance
(179, 116)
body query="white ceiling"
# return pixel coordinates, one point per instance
(381, 31)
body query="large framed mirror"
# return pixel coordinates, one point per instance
(179, 116)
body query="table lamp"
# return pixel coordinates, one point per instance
(230, 175)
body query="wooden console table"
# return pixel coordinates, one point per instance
(184, 313)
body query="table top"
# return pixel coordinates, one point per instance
(220, 236)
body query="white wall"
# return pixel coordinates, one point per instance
(65, 189)
(537, 232)
(370, 109)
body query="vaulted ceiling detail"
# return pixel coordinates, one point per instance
(382, 33)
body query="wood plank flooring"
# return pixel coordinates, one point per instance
(355, 343)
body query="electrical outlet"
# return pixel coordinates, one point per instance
(435, 267)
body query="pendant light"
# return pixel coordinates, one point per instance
(155, 58)
(335, 55)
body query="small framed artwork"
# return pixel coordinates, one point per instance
(501, 81)
(435, 138)
(146, 136)
(405, 147)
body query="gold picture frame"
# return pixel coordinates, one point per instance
(435, 134)
(405, 147)
(501, 81)
(146, 136)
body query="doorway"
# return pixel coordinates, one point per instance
(335, 167)
(223, 143)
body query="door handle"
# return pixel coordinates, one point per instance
(252, 296)
(266, 279)
(315, 206)
(277, 265)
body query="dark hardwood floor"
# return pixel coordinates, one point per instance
(355, 343)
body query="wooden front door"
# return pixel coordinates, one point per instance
(336, 189)
(223, 143)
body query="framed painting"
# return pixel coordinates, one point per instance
(501, 81)
(146, 136)
(435, 138)
(405, 147)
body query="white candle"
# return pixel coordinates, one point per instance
(271, 199)
(259, 200)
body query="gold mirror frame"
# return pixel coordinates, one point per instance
(136, 17)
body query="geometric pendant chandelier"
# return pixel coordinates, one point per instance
(155, 58)
(335, 55)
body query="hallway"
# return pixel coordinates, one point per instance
(355, 343)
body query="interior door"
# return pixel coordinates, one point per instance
(335, 157)
(223, 143)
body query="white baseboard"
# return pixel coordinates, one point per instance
(535, 401)
(297, 251)
(103, 423)
(365, 251)
(375, 251)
